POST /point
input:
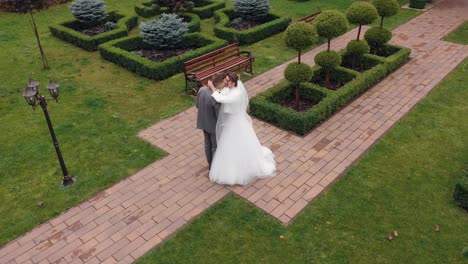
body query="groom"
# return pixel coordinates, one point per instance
(208, 110)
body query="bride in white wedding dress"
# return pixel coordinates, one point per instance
(239, 158)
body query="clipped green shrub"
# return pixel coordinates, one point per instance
(377, 37)
(147, 9)
(203, 8)
(361, 13)
(460, 193)
(328, 60)
(418, 4)
(298, 72)
(119, 51)
(386, 8)
(299, 36)
(174, 6)
(356, 49)
(266, 104)
(88, 11)
(164, 32)
(252, 9)
(68, 31)
(271, 25)
(330, 24)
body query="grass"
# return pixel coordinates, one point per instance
(404, 183)
(102, 107)
(459, 35)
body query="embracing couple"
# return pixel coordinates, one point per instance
(234, 154)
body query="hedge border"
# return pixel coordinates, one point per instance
(117, 51)
(91, 43)
(148, 9)
(263, 31)
(264, 107)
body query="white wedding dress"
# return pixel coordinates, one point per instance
(239, 157)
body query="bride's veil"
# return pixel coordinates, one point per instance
(237, 106)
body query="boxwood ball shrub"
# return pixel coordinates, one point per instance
(377, 37)
(164, 32)
(461, 192)
(88, 11)
(386, 8)
(330, 24)
(252, 9)
(298, 73)
(328, 60)
(356, 49)
(361, 13)
(299, 36)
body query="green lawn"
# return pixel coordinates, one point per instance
(459, 35)
(102, 107)
(404, 183)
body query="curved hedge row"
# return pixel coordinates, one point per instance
(149, 9)
(274, 24)
(119, 52)
(266, 104)
(67, 31)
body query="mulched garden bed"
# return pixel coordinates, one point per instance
(304, 104)
(245, 24)
(160, 55)
(92, 31)
(334, 85)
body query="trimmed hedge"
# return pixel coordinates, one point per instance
(266, 104)
(149, 9)
(273, 24)
(118, 51)
(67, 31)
(460, 193)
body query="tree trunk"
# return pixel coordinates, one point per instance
(296, 105)
(299, 57)
(329, 40)
(41, 50)
(381, 22)
(359, 32)
(327, 79)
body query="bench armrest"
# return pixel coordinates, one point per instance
(249, 55)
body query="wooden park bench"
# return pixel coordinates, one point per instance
(199, 70)
(309, 18)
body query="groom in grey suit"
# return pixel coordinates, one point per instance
(207, 117)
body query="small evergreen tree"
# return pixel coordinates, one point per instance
(88, 11)
(356, 49)
(328, 60)
(330, 24)
(252, 9)
(377, 37)
(361, 13)
(28, 7)
(299, 36)
(296, 73)
(386, 8)
(165, 32)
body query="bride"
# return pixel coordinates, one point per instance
(240, 158)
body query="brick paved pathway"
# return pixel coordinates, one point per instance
(125, 221)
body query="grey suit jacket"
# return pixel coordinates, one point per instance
(208, 110)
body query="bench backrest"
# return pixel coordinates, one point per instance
(212, 59)
(309, 18)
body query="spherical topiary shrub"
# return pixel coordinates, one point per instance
(88, 11)
(356, 49)
(297, 73)
(330, 24)
(386, 8)
(361, 13)
(461, 192)
(299, 36)
(328, 60)
(252, 9)
(377, 37)
(164, 32)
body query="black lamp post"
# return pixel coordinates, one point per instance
(33, 98)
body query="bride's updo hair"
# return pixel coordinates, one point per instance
(233, 77)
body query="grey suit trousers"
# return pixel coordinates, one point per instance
(210, 146)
